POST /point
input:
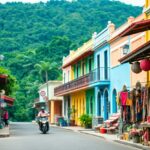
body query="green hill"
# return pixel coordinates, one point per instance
(30, 33)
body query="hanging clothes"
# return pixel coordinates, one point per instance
(139, 106)
(144, 96)
(123, 98)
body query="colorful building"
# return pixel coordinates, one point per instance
(4, 99)
(102, 67)
(77, 74)
(121, 74)
(54, 103)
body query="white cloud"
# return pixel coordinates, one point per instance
(25, 1)
(133, 2)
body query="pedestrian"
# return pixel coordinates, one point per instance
(5, 118)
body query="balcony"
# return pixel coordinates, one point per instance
(99, 75)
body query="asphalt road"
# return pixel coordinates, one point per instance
(26, 136)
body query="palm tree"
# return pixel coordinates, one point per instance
(45, 67)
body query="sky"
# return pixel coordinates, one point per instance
(133, 2)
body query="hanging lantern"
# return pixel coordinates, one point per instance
(136, 67)
(145, 64)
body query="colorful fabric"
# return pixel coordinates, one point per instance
(123, 97)
(118, 99)
(129, 102)
(5, 116)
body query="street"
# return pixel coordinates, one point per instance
(26, 136)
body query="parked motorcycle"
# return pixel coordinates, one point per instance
(44, 124)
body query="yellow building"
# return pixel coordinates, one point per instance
(76, 74)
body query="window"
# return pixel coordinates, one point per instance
(105, 65)
(91, 105)
(98, 61)
(68, 76)
(90, 64)
(83, 68)
(77, 71)
(98, 67)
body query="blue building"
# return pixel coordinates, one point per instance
(102, 66)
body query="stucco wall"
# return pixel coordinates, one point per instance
(51, 86)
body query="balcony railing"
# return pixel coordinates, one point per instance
(97, 75)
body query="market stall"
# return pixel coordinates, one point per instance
(135, 113)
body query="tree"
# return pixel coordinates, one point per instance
(11, 85)
(43, 68)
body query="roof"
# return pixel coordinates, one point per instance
(8, 99)
(140, 53)
(85, 50)
(80, 57)
(136, 27)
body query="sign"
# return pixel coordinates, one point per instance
(43, 93)
(45, 98)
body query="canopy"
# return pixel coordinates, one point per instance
(8, 99)
(137, 27)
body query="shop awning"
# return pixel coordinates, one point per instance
(80, 57)
(3, 78)
(8, 99)
(137, 27)
(138, 54)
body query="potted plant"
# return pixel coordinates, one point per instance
(86, 121)
(136, 135)
(71, 116)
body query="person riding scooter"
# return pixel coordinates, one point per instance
(43, 114)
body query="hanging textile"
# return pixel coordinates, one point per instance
(123, 98)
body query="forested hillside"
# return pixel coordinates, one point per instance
(30, 33)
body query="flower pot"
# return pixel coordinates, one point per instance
(136, 139)
(72, 122)
(103, 130)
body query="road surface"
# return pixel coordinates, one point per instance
(26, 136)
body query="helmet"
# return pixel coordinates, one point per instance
(42, 108)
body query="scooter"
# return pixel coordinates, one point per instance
(44, 124)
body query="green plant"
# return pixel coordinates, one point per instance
(71, 112)
(86, 120)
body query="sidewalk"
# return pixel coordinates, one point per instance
(4, 132)
(108, 137)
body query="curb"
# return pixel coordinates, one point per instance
(142, 147)
(81, 131)
(132, 144)
(4, 135)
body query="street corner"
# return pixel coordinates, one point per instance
(5, 132)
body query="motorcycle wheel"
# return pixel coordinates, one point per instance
(44, 129)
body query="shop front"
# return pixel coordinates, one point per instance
(78, 105)
(140, 94)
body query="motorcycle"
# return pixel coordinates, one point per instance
(44, 124)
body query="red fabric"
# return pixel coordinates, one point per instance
(5, 116)
(123, 96)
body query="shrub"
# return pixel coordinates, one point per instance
(86, 120)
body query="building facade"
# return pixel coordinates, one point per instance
(78, 96)
(53, 103)
(92, 75)
(121, 74)
(102, 67)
